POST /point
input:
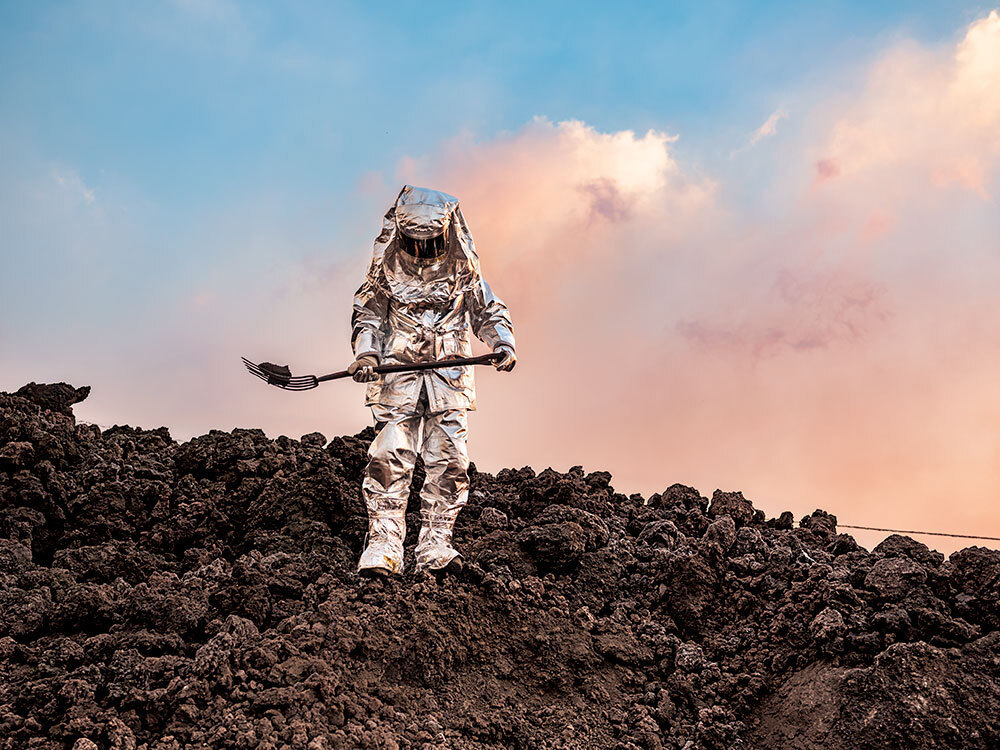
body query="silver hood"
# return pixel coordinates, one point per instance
(423, 213)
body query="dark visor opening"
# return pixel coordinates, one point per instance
(432, 247)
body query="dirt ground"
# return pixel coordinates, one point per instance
(203, 595)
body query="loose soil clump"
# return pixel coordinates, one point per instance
(159, 596)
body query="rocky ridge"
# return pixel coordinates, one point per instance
(156, 595)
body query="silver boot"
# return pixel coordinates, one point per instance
(434, 550)
(384, 548)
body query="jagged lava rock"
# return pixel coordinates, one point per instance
(158, 595)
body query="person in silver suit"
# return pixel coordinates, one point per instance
(422, 299)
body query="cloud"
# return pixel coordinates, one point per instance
(831, 344)
(768, 128)
(606, 201)
(827, 169)
(925, 116)
(554, 196)
(71, 182)
(831, 308)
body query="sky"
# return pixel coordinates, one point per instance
(746, 246)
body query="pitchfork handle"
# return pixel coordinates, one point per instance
(484, 359)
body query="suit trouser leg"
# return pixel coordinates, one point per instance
(386, 486)
(446, 486)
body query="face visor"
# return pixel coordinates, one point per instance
(429, 248)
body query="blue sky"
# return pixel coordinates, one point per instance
(195, 102)
(174, 113)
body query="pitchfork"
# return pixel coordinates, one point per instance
(281, 376)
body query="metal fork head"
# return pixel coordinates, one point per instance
(275, 375)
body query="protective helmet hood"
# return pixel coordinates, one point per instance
(423, 214)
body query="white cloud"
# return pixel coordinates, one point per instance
(768, 128)
(70, 181)
(927, 117)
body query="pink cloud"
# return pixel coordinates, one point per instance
(827, 169)
(836, 354)
(926, 115)
(606, 201)
(804, 312)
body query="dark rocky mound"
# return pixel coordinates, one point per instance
(203, 595)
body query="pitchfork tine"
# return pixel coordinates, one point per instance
(257, 371)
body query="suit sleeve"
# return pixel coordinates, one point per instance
(370, 310)
(490, 317)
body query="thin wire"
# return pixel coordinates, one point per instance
(928, 533)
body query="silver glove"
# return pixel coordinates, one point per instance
(363, 369)
(509, 359)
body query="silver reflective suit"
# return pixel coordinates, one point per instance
(411, 310)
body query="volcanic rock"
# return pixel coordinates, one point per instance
(731, 504)
(58, 397)
(157, 595)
